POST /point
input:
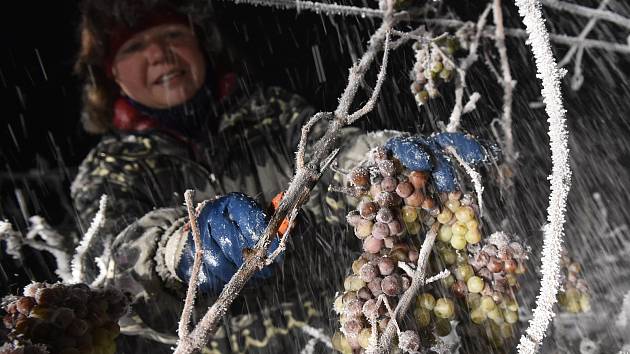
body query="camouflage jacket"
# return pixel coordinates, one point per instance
(145, 175)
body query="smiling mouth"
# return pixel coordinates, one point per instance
(169, 76)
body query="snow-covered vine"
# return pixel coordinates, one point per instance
(560, 177)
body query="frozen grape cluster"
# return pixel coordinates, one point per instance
(396, 208)
(434, 65)
(575, 296)
(65, 319)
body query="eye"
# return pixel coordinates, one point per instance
(132, 47)
(174, 34)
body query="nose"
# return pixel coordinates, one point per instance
(159, 52)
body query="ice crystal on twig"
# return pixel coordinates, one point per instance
(84, 245)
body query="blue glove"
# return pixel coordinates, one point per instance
(418, 153)
(227, 226)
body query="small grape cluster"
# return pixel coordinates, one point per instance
(432, 68)
(66, 319)
(575, 296)
(483, 272)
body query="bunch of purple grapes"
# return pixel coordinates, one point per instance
(395, 208)
(66, 319)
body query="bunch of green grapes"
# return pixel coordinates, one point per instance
(395, 207)
(66, 319)
(575, 296)
(433, 67)
(483, 271)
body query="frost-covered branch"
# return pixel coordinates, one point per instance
(82, 251)
(587, 29)
(317, 7)
(560, 177)
(475, 177)
(489, 32)
(377, 88)
(191, 292)
(506, 139)
(588, 12)
(49, 240)
(283, 242)
(460, 81)
(577, 79)
(439, 276)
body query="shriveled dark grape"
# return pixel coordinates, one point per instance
(375, 286)
(386, 265)
(409, 341)
(384, 215)
(380, 230)
(368, 209)
(370, 310)
(353, 218)
(387, 199)
(24, 305)
(391, 285)
(404, 189)
(368, 272)
(354, 308)
(388, 184)
(360, 176)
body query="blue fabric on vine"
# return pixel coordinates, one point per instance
(191, 118)
(418, 153)
(227, 226)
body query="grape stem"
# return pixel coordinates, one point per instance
(506, 138)
(460, 81)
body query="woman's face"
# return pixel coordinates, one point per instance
(160, 67)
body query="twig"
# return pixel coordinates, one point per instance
(460, 81)
(318, 7)
(194, 276)
(84, 245)
(556, 38)
(587, 29)
(439, 276)
(103, 263)
(301, 151)
(377, 88)
(283, 242)
(407, 298)
(588, 12)
(471, 105)
(507, 139)
(474, 176)
(560, 177)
